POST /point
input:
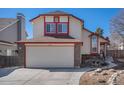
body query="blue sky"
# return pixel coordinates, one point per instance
(93, 17)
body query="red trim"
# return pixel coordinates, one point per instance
(98, 36)
(44, 25)
(68, 25)
(94, 54)
(50, 42)
(59, 18)
(103, 43)
(56, 15)
(88, 30)
(43, 42)
(56, 32)
(93, 33)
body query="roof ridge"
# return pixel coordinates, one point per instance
(8, 25)
(59, 13)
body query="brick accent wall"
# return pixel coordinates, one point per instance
(77, 55)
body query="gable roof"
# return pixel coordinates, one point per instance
(8, 22)
(53, 13)
(93, 33)
(4, 22)
(57, 12)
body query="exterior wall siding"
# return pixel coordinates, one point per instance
(86, 42)
(9, 34)
(38, 27)
(75, 28)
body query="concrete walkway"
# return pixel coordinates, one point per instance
(25, 76)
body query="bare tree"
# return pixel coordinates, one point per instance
(117, 29)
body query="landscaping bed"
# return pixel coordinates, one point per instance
(94, 78)
(114, 75)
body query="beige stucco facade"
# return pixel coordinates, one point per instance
(75, 26)
(86, 42)
(38, 27)
(9, 34)
(58, 53)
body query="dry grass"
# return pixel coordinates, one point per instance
(93, 78)
(120, 79)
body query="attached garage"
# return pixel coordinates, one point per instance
(49, 54)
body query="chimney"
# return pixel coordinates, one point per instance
(21, 34)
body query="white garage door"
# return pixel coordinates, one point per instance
(50, 56)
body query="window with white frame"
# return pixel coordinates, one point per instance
(94, 44)
(62, 28)
(50, 27)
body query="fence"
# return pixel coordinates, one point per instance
(116, 53)
(88, 56)
(8, 61)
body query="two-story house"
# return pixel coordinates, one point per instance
(59, 39)
(11, 31)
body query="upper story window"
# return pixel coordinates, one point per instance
(50, 27)
(62, 28)
(56, 26)
(94, 42)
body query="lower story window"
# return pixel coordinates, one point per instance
(50, 28)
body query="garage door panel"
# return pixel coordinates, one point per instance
(50, 56)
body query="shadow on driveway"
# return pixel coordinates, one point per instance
(7, 71)
(69, 69)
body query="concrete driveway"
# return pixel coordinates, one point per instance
(25, 76)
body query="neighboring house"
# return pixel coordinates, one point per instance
(58, 40)
(121, 46)
(11, 31)
(7, 48)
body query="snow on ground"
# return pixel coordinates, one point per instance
(110, 62)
